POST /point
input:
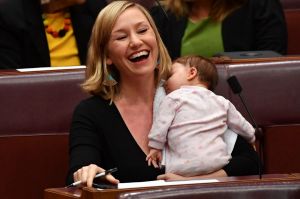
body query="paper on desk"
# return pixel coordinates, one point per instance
(49, 68)
(156, 183)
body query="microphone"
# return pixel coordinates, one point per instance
(237, 89)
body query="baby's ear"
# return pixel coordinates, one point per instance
(192, 73)
(108, 61)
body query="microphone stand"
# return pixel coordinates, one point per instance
(258, 135)
(237, 89)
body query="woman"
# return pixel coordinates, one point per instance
(126, 62)
(209, 27)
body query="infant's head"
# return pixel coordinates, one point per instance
(192, 70)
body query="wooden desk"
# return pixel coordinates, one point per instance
(92, 193)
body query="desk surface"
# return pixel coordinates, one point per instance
(92, 193)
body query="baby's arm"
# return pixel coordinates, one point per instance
(154, 157)
(239, 124)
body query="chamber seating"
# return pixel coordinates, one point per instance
(270, 90)
(292, 15)
(36, 110)
(35, 117)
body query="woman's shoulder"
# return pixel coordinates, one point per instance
(91, 104)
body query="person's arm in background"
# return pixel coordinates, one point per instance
(270, 26)
(171, 29)
(257, 25)
(10, 45)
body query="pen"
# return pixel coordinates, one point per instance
(104, 173)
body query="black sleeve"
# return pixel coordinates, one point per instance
(257, 25)
(244, 160)
(84, 141)
(161, 20)
(10, 49)
(270, 26)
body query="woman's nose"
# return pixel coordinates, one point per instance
(135, 41)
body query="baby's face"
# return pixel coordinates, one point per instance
(177, 78)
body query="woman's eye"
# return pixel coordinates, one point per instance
(142, 30)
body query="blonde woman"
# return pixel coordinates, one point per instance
(208, 27)
(126, 62)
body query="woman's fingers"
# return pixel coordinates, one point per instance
(170, 176)
(87, 174)
(92, 170)
(112, 179)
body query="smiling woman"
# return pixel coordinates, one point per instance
(126, 36)
(110, 129)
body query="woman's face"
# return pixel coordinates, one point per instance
(132, 47)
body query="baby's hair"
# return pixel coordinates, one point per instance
(206, 69)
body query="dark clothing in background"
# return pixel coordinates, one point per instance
(23, 43)
(257, 25)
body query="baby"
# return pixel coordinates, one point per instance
(192, 119)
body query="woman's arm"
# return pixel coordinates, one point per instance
(85, 145)
(172, 176)
(244, 161)
(270, 26)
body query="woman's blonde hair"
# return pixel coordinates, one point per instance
(219, 10)
(98, 73)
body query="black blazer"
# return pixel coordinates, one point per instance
(257, 25)
(23, 42)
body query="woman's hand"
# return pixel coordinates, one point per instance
(87, 174)
(172, 176)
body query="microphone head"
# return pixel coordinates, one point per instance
(234, 85)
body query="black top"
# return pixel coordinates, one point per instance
(99, 135)
(257, 25)
(23, 42)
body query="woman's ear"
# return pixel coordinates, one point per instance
(192, 73)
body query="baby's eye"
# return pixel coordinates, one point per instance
(121, 37)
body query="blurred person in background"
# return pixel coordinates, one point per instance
(208, 27)
(43, 33)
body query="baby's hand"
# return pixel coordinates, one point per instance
(154, 157)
